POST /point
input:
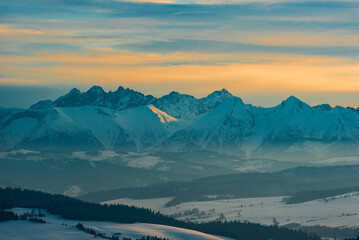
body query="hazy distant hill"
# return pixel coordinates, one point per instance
(241, 185)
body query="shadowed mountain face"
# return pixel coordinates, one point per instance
(126, 120)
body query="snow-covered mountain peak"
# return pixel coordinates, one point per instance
(125, 98)
(323, 107)
(127, 91)
(45, 104)
(74, 91)
(216, 98)
(221, 94)
(291, 100)
(174, 93)
(175, 97)
(234, 106)
(94, 96)
(224, 92)
(73, 98)
(96, 90)
(293, 103)
(121, 91)
(180, 105)
(230, 114)
(339, 109)
(120, 88)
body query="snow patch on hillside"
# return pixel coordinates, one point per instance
(60, 228)
(143, 162)
(338, 160)
(95, 156)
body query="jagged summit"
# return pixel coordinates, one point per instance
(293, 102)
(216, 98)
(222, 92)
(174, 93)
(129, 91)
(291, 108)
(44, 104)
(96, 90)
(73, 98)
(125, 98)
(323, 107)
(181, 106)
(74, 91)
(120, 88)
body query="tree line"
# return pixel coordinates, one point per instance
(9, 215)
(75, 209)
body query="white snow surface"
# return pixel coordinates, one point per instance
(98, 120)
(99, 156)
(18, 130)
(338, 211)
(143, 162)
(25, 230)
(146, 124)
(60, 228)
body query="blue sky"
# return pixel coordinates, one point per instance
(259, 50)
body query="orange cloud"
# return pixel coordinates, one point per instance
(49, 36)
(260, 73)
(5, 30)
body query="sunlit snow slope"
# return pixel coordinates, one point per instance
(59, 228)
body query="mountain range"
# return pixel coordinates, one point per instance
(127, 120)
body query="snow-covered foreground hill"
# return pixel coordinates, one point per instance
(338, 211)
(59, 228)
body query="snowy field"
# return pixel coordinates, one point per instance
(350, 160)
(338, 211)
(59, 228)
